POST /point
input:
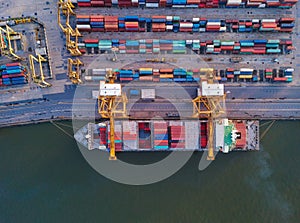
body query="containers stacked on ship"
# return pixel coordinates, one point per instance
(177, 135)
(240, 128)
(160, 135)
(130, 137)
(203, 135)
(144, 128)
(118, 136)
(103, 136)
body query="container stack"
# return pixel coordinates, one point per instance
(145, 74)
(288, 73)
(180, 75)
(86, 3)
(152, 3)
(268, 74)
(124, 3)
(129, 135)
(126, 75)
(259, 46)
(192, 135)
(213, 25)
(233, 3)
(246, 73)
(100, 23)
(160, 141)
(177, 135)
(203, 135)
(111, 23)
(179, 47)
(229, 73)
(131, 23)
(287, 24)
(144, 135)
(158, 23)
(188, 3)
(12, 74)
(83, 23)
(269, 25)
(118, 136)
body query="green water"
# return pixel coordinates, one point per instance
(44, 178)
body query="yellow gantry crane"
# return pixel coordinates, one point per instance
(209, 104)
(7, 35)
(111, 102)
(74, 70)
(66, 8)
(40, 80)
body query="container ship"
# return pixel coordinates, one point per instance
(171, 135)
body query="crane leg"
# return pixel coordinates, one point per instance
(112, 153)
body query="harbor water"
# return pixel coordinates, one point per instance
(44, 178)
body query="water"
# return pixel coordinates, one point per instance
(44, 178)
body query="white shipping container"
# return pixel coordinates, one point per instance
(255, 20)
(213, 23)
(169, 27)
(186, 25)
(189, 41)
(202, 30)
(115, 2)
(229, 2)
(135, 1)
(152, 5)
(246, 70)
(196, 19)
(196, 41)
(223, 29)
(169, 18)
(268, 20)
(82, 26)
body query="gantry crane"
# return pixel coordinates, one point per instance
(209, 104)
(110, 100)
(66, 8)
(6, 36)
(74, 70)
(41, 78)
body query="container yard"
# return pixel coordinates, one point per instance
(213, 49)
